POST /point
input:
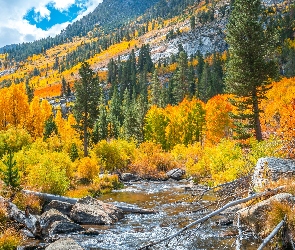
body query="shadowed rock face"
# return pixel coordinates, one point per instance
(91, 211)
(271, 169)
(54, 222)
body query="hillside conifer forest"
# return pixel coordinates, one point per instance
(144, 87)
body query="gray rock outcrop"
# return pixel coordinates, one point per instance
(126, 177)
(64, 244)
(176, 174)
(94, 212)
(63, 207)
(271, 169)
(54, 222)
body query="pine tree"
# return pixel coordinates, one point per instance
(74, 154)
(63, 87)
(250, 66)
(180, 79)
(87, 92)
(11, 176)
(29, 90)
(50, 128)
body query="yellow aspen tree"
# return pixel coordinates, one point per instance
(3, 108)
(46, 110)
(18, 105)
(35, 122)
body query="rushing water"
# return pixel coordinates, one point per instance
(174, 206)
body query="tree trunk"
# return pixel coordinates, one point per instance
(257, 125)
(85, 137)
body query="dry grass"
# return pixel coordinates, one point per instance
(10, 239)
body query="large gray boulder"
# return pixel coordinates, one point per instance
(63, 207)
(64, 244)
(176, 174)
(254, 217)
(94, 212)
(54, 222)
(271, 169)
(127, 177)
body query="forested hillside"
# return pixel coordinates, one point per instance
(147, 86)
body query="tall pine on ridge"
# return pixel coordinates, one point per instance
(250, 68)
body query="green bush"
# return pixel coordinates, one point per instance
(114, 155)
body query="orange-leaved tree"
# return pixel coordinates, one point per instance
(218, 122)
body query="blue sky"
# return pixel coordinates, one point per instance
(28, 20)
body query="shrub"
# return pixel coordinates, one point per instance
(3, 216)
(221, 163)
(185, 154)
(105, 184)
(151, 161)
(22, 201)
(78, 192)
(272, 147)
(87, 168)
(277, 213)
(48, 172)
(10, 239)
(115, 155)
(14, 139)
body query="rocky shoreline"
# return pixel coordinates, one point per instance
(61, 219)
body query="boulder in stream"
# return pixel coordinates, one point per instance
(64, 244)
(94, 212)
(54, 222)
(126, 177)
(271, 169)
(176, 174)
(63, 207)
(254, 217)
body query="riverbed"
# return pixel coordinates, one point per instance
(174, 206)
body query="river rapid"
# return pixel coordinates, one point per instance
(174, 206)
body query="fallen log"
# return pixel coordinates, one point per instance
(208, 216)
(50, 197)
(29, 221)
(272, 234)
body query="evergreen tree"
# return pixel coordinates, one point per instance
(63, 87)
(11, 176)
(50, 128)
(114, 115)
(156, 91)
(74, 152)
(205, 84)
(250, 67)
(180, 79)
(87, 92)
(29, 90)
(100, 131)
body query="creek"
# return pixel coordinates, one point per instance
(174, 206)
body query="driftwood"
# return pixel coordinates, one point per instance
(31, 222)
(208, 216)
(239, 237)
(272, 234)
(50, 197)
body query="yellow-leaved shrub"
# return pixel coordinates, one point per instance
(151, 161)
(221, 163)
(115, 154)
(87, 168)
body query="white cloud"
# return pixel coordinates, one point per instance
(63, 4)
(14, 29)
